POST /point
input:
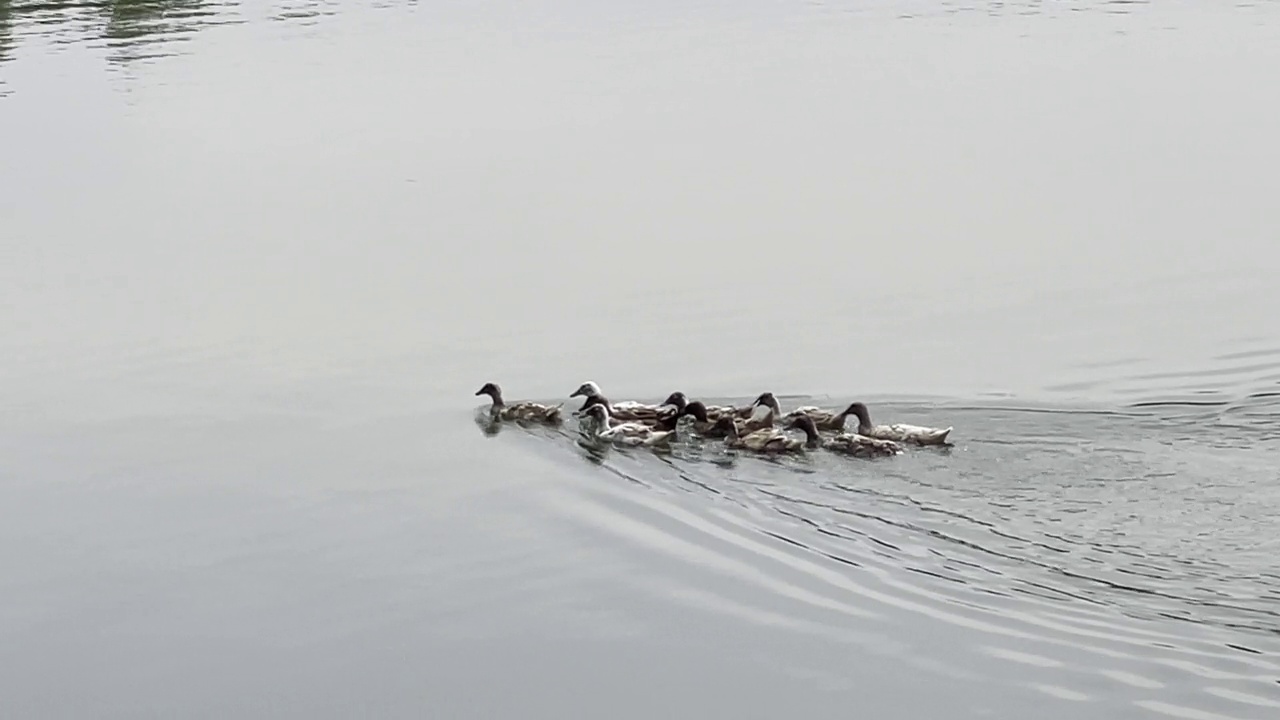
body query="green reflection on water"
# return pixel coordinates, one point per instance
(6, 31)
(138, 28)
(130, 29)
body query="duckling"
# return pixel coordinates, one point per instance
(768, 440)
(822, 419)
(628, 434)
(525, 411)
(845, 443)
(629, 411)
(898, 432)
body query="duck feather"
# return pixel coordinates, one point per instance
(519, 411)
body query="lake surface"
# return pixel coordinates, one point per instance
(256, 259)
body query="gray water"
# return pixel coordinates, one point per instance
(256, 258)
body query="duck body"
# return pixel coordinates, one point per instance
(744, 412)
(823, 419)
(715, 412)
(766, 440)
(648, 414)
(769, 440)
(630, 411)
(844, 443)
(760, 415)
(633, 434)
(862, 446)
(629, 434)
(701, 422)
(898, 432)
(520, 411)
(529, 412)
(764, 410)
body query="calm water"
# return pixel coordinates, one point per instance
(256, 259)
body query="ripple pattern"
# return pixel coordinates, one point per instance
(1106, 558)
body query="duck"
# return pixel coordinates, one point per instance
(767, 440)
(629, 434)
(668, 411)
(845, 443)
(757, 420)
(702, 422)
(822, 419)
(898, 432)
(715, 412)
(709, 426)
(629, 411)
(521, 411)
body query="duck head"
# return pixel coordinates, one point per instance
(490, 389)
(668, 422)
(697, 409)
(726, 425)
(587, 389)
(592, 401)
(677, 400)
(859, 411)
(766, 399)
(805, 423)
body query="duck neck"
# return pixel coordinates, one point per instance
(596, 400)
(864, 419)
(497, 399)
(595, 425)
(811, 438)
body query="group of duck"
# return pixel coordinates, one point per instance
(760, 427)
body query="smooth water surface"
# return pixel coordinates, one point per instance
(256, 259)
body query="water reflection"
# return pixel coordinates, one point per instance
(132, 29)
(304, 12)
(140, 29)
(487, 424)
(145, 29)
(6, 33)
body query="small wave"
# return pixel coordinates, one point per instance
(1073, 530)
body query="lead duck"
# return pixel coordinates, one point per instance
(520, 411)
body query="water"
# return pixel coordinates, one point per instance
(257, 259)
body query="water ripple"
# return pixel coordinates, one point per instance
(1075, 534)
